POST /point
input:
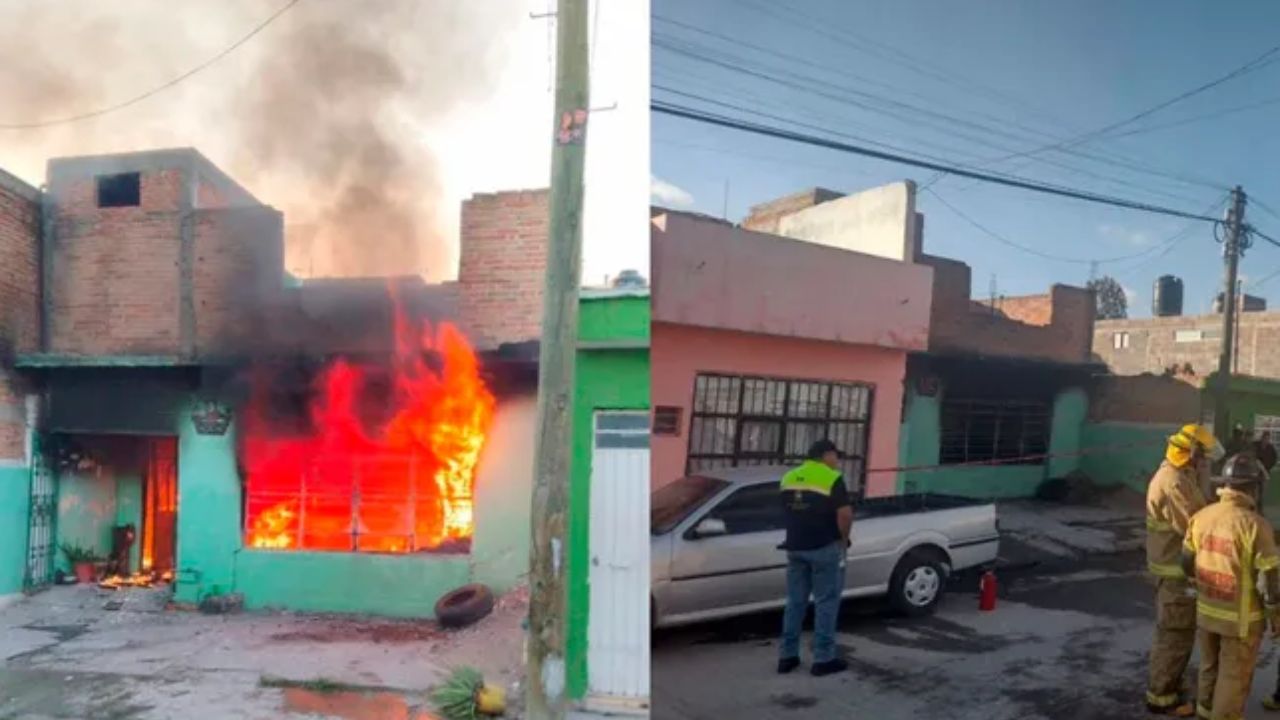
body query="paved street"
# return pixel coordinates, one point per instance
(1067, 640)
(81, 653)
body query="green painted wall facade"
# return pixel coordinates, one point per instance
(129, 511)
(208, 513)
(86, 512)
(919, 446)
(15, 498)
(393, 585)
(606, 379)
(1123, 453)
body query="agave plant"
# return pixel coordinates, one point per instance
(466, 696)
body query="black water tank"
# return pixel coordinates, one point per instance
(1166, 299)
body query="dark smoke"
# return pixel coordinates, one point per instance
(326, 114)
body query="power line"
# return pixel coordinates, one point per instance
(915, 110)
(1007, 180)
(159, 88)
(1030, 250)
(1257, 63)
(908, 112)
(1196, 118)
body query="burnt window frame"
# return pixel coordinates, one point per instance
(961, 439)
(842, 421)
(110, 184)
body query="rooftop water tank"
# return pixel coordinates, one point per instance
(1166, 299)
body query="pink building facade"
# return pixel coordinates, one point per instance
(761, 344)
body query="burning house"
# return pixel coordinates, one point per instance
(172, 400)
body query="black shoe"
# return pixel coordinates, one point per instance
(829, 667)
(786, 665)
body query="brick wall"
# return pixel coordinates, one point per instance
(1144, 399)
(114, 285)
(1029, 309)
(1188, 343)
(19, 304)
(1057, 327)
(765, 216)
(236, 274)
(502, 267)
(19, 266)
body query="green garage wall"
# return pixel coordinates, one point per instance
(15, 498)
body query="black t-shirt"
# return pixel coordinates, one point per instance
(811, 517)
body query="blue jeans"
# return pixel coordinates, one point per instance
(819, 573)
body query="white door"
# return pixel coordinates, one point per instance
(618, 631)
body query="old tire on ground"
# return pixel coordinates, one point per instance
(464, 606)
(917, 583)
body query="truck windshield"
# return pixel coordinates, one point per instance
(671, 504)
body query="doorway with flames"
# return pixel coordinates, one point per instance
(108, 502)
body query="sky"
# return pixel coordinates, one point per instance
(492, 135)
(972, 83)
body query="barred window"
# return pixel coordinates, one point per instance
(740, 420)
(984, 430)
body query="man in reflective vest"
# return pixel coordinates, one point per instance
(818, 518)
(1173, 496)
(1230, 550)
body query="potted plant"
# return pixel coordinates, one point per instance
(82, 561)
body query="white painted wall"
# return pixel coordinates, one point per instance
(880, 221)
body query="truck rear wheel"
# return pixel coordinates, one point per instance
(916, 586)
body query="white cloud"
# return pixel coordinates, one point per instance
(1130, 295)
(664, 193)
(1137, 238)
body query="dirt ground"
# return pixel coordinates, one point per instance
(92, 654)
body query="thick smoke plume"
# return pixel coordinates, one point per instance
(327, 114)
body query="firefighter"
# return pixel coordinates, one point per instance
(1173, 496)
(1230, 551)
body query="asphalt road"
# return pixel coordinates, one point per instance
(1064, 642)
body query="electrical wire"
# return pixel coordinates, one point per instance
(1030, 250)
(916, 111)
(1007, 180)
(155, 90)
(913, 114)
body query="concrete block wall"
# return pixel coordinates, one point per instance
(1153, 345)
(502, 267)
(767, 216)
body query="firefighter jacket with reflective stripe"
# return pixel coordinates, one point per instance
(1232, 543)
(811, 476)
(1173, 496)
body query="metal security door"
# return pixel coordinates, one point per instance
(42, 517)
(618, 631)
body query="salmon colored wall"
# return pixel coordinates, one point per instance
(679, 352)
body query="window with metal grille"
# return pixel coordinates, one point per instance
(983, 430)
(739, 420)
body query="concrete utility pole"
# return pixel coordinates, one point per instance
(545, 677)
(1234, 243)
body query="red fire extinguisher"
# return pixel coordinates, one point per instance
(987, 592)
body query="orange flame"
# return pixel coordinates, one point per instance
(407, 487)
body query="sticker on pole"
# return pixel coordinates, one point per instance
(573, 127)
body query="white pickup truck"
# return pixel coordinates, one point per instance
(715, 538)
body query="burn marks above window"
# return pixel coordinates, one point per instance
(120, 190)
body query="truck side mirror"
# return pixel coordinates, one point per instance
(710, 527)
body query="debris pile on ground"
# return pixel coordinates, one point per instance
(1077, 488)
(222, 604)
(1033, 530)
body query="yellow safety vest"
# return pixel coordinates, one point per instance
(811, 476)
